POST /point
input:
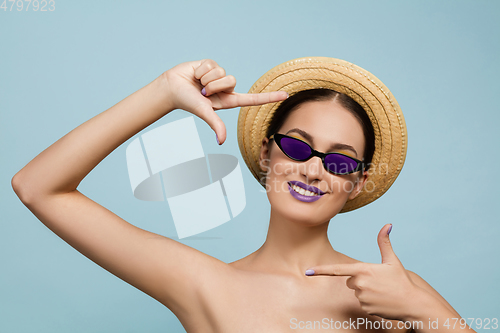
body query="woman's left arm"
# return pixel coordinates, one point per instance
(390, 291)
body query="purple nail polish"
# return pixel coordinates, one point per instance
(309, 272)
(203, 91)
(217, 139)
(389, 231)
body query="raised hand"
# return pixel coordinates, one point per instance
(201, 87)
(48, 184)
(385, 289)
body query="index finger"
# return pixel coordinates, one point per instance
(261, 98)
(338, 269)
(234, 100)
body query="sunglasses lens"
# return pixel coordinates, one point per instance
(340, 164)
(296, 149)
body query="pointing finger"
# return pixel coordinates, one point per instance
(236, 100)
(338, 269)
(262, 98)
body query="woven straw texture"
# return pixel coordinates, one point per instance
(342, 76)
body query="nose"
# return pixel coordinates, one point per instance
(313, 169)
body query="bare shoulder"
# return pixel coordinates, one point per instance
(420, 282)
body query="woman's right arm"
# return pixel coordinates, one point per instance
(169, 271)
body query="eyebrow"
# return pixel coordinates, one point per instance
(335, 146)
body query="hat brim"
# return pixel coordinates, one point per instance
(344, 77)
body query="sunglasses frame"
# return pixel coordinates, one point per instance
(277, 138)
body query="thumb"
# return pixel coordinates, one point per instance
(384, 243)
(207, 113)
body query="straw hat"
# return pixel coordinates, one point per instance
(339, 75)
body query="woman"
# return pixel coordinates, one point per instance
(266, 291)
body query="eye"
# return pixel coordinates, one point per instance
(295, 148)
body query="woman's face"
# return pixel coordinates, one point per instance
(327, 127)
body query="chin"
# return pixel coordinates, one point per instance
(304, 213)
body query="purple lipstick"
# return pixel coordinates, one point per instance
(302, 197)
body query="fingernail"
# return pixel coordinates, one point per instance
(309, 272)
(287, 95)
(389, 231)
(203, 91)
(216, 136)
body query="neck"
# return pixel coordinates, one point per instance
(292, 247)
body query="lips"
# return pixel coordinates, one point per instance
(303, 197)
(311, 188)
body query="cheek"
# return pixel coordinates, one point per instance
(343, 185)
(278, 173)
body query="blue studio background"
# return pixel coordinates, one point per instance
(60, 68)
